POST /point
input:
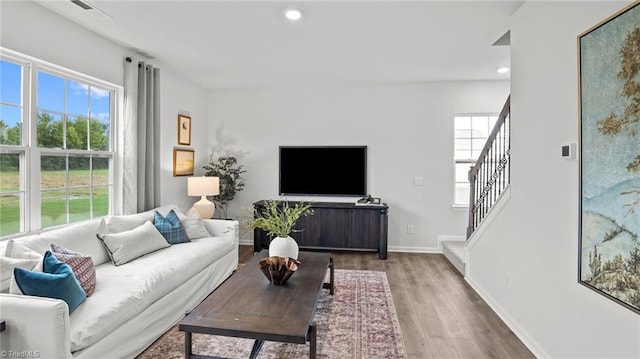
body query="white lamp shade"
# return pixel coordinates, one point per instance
(203, 186)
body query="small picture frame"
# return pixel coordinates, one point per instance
(184, 130)
(183, 162)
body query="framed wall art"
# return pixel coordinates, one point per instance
(183, 161)
(184, 130)
(609, 233)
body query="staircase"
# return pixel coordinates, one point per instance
(488, 179)
(454, 252)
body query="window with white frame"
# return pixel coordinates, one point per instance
(56, 146)
(471, 133)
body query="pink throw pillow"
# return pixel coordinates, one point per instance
(82, 267)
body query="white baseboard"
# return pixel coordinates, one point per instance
(531, 344)
(390, 248)
(438, 249)
(404, 249)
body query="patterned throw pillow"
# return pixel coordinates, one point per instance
(170, 227)
(81, 265)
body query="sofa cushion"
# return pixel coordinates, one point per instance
(170, 227)
(129, 245)
(57, 281)
(125, 291)
(79, 237)
(81, 265)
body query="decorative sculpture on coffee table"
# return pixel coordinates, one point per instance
(277, 269)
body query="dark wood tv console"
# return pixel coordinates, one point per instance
(338, 226)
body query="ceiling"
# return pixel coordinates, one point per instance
(239, 44)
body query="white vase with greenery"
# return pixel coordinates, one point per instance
(285, 247)
(279, 220)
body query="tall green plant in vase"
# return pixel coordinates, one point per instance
(279, 221)
(231, 182)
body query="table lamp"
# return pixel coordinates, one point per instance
(203, 186)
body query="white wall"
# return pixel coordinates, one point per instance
(408, 129)
(525, 264)
(179, 95)
(35, 31)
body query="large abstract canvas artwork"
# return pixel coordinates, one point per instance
(609, 261)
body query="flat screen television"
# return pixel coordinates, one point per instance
(323, 170)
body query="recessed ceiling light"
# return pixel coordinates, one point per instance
(502, 70)
(293, 14)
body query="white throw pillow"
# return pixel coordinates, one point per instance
(27, 247)
(6, 269)
(31, 261)
(17, 251)
(129, 245)
(3, 248)
(118, 224)
(195, 228)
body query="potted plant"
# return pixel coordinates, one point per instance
(231, 182)
(279, 222)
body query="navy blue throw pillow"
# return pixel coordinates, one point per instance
(171, 228)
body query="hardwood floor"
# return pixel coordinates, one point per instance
(440, 315)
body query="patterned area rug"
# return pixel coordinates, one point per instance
(358, 321)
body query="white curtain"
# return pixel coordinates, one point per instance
(140, 134)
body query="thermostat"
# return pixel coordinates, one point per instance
(569, 151)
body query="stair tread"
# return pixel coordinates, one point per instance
(454, 251)
(456, 247)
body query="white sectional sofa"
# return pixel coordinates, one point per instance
(133, 304)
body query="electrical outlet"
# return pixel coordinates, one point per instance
(410, 229)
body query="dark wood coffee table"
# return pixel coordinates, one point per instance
(247, 306)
